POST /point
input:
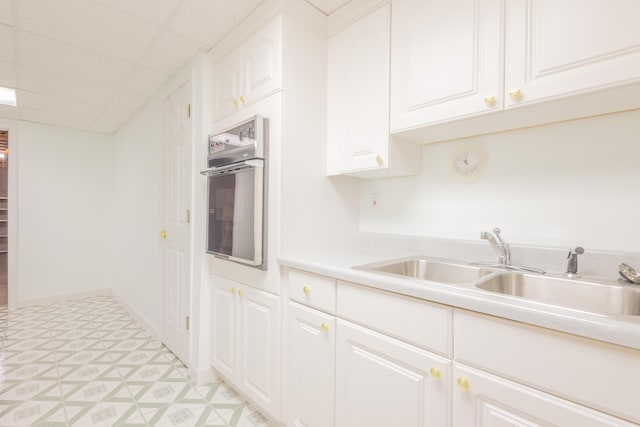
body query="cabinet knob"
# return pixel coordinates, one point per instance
(435, 373)
(324, 327)
(235, 102)
(163, 234)
(242, 99)
(463, 383)
(490, 100)
(515, 94)
(233, 291)
(306, 290)
(379, 159)
(241, 293)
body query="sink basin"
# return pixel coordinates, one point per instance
(429, 269)
(609, 299)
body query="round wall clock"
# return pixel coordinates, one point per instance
(468, 164)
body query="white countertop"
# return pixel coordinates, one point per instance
(621, 330)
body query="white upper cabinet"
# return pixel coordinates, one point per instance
(454, 62)
(250, 72)
(358, 97)
(560, 48)
(358, 91)
(446, 60)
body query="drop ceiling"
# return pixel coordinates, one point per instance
(91, 64)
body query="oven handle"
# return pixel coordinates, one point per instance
(252, 163)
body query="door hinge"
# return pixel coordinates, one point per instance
(188, 110)
(187, 323)
(188, 216)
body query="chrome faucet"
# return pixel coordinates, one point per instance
(500, 246)
(572, 264)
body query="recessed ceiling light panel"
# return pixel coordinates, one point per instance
(7, 96)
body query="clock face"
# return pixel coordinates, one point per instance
(466, 163)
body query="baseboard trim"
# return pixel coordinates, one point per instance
(63, 297)
(149, 326)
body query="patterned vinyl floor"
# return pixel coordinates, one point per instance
(88, 363)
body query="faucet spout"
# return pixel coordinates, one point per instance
(499, 246)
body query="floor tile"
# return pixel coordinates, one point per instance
(86, 362)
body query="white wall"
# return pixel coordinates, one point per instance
(137, 213)
(65, 207)
(565, 184)
(318, 213)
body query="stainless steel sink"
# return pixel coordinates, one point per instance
(441, 271)
(611, 299)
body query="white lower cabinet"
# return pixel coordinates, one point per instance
(381, 381)
(311, 367)
(484, 400)
(247, 342)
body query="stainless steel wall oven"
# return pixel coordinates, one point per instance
(237, 193)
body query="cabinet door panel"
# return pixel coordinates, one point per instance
(358, 91)
(260, 347)
(570, 47)
(224, 330)
(311, 367)
(226, 85)
(384, 382)
(491, 401)
(262, 63)
(446, 59)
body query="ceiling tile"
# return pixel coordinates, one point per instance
(110, 120)
(126, 101)
(170, 53)
(42, 102)
(6, 43)
(207, 21)
(5, 12)
(88, 25)
(52, 118)
(144, 81)
(7, 74)
(62, 59)
(154, 11)
(66, 88)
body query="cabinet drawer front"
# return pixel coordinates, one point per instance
(421, 323)
(590, 372)
(485, 400)
(313, 290)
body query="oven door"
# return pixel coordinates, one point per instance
(236, 218)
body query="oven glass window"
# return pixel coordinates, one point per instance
(231, 214)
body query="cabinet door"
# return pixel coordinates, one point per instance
(224, 324)
(384, 382)
(311, 367)
(226, 85)
(262, 63)
(559, 48)
(446, 60)
(259, 349)
(358, 92)
(484, 400)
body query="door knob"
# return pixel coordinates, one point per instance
(163, 234)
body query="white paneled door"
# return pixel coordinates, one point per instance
(176, 256)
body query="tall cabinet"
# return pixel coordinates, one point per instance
(248, 69)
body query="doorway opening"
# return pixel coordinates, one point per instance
(4, 217)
